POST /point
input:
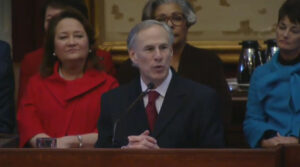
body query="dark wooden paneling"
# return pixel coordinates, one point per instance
(27, 26)
(291, 155)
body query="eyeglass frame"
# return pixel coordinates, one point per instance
(171, 18)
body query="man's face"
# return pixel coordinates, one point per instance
(152, 54)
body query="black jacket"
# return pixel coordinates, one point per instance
(7, 113)
(200, 65)
(189, 116)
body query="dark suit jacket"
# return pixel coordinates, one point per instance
(7, 113)
(200, 65)
(189, 116)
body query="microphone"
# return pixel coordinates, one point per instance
(149, 87)
(144, 93)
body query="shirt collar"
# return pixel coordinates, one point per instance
(162, 88)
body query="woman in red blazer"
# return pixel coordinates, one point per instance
(63, 101)
(31, 63)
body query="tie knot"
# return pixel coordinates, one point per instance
(152, 96)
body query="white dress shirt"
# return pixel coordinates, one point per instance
(161, 89)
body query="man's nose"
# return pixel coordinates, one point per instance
(157, 54)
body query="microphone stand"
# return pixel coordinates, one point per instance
(144, 93)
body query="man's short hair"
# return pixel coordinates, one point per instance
(145, 25)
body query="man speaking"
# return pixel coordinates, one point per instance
(159, 109)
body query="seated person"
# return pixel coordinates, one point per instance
(273, 108)
(30, 65)
(199, 65)
(172, 112)
(63, 101)
(7, 112)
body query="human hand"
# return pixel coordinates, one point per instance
(142, 141)
(274, 141)
(288, 139)
(67, 142)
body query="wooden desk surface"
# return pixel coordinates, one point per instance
(143, 158)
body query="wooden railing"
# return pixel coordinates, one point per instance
(281, 156)
(143, 158)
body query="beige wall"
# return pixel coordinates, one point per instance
(221, 24)
(218, 20)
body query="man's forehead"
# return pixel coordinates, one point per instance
(152, 43)
(154, 35)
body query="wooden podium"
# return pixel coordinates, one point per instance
(141, 158)
(291, 155)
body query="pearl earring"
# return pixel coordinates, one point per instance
(90, 50)
(53, 54)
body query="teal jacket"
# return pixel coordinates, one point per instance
(273, 101)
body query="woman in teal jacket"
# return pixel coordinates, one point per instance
(273, 108)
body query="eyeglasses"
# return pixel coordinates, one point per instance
(176, 19)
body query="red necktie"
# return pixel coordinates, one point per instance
(151, 109)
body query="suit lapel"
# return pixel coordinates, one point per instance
(171, 105)
(137, 118)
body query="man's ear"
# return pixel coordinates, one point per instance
(171, 51)
(132, 56)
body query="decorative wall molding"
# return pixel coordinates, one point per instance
(228, 51)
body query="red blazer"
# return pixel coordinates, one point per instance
(30, 65)
(59, 108)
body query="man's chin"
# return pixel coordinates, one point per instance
(159, 77)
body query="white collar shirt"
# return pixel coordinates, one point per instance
(161, 89)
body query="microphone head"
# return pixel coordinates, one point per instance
(150, 86)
